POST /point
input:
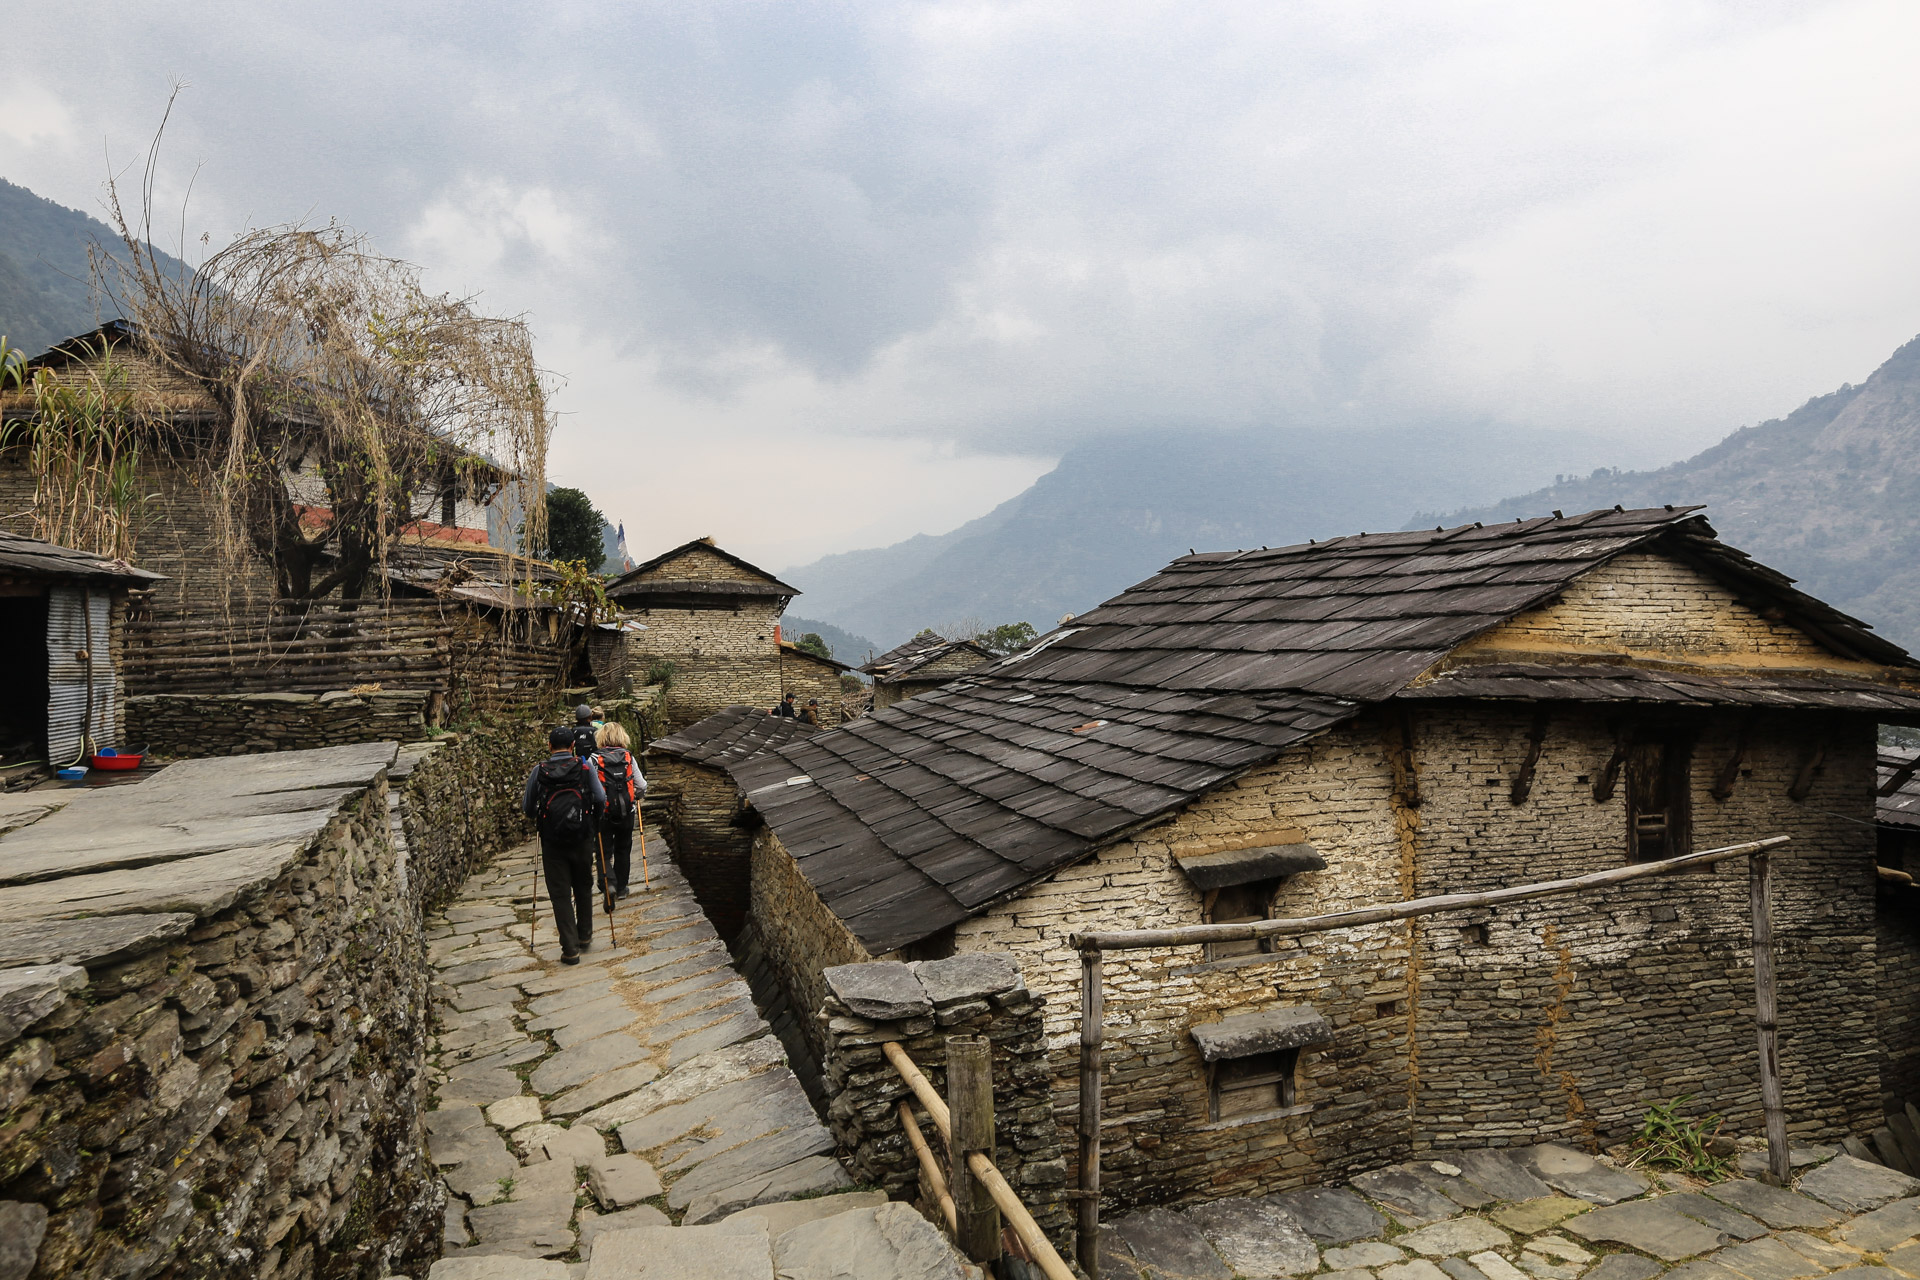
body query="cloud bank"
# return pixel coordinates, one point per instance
(827, 275)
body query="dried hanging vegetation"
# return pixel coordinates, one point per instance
(81, 437)
(345, 399)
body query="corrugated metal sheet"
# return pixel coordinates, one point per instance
(78, 621)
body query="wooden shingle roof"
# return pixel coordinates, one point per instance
(927, 812)
(24, 557)
(1900, 780)
(731, 736)
(901, 661)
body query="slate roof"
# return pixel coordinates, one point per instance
(629, 582)
(901, 661)
(731, 736)
(35, 558)
(925, 813)
(473, 575)
(1900, 766)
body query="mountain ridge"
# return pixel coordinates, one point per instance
(1828, 494)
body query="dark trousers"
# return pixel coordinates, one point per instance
(569, 872)
(618, 840)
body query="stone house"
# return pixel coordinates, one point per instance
(1307, 729)
(178, 520)
(687, 773)
(63, 628)
(715, 619)
(925, 662)
(442, 630)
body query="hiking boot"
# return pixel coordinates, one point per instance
(570, 959)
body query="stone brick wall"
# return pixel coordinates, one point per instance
(715, 855)
(460, 803)
(243, 1102)
(699, 564)
(805, 676)
(798, 935)
(720, 657)
(1350, 1111)
(1897, 945)
(1651, 603)
(1573, 1014)
(187, 725)
(919, 1006)
(175, 537)
(1567, 1021)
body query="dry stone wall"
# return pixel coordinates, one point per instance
(798, 936)
(224, 1080)
(188, 725)
(713, 853)
(919, 1006)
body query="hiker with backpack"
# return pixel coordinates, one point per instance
(583, 731)
(620, 778)
(564, 799)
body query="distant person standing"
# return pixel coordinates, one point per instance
(565, 800)
(620, 778)
(785, 709)
(810, 713)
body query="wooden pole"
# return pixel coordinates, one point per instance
(1766, 1021)
(936, 1181)
(970, 1104)
(1092, 1033)
(982, 1168)
(1133, 939)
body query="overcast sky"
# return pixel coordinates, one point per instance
(824, 275)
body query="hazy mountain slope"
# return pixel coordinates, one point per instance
(845, 646)
(1117, 509)
(1829, 494)
(46, 289)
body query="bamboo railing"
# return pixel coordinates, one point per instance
(976, 1165)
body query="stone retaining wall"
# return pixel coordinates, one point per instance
(920, 1005)
(214, 1067)
(185, 725)
(460, 802)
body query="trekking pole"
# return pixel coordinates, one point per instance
(533, 925)
(606, 882)
(646, 881)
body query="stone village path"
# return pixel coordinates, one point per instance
(632, 1117)
(1540, 1213)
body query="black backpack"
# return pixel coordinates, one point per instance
(566, 812)
(616, 778)
(583, 743)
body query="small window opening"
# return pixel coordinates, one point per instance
(1658, 813)
(449, 509)
(1239, 904)
(1386, 1008)
(1476, 934)
(1250, 1085)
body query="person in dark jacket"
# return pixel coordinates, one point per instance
(565, 800)
(785, 709)
(583, 731)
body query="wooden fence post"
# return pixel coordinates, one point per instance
(970, 1104)
(1766, 1021)
(1092, 1014)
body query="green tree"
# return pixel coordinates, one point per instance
(813, 644)
(573, 529)
(1008, 637)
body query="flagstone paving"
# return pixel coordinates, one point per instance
(1539, 1213)
(632, 1114)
